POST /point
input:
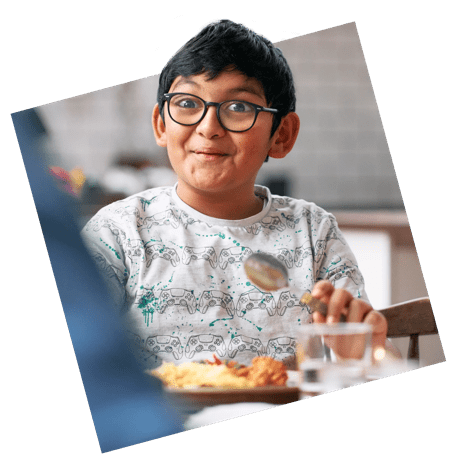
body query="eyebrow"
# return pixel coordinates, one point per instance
(247, 88)
(244, 88)
(184, 81)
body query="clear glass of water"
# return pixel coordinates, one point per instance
(333, 356)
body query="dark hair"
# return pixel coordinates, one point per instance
(225, 45)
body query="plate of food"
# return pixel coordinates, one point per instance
(209, 383)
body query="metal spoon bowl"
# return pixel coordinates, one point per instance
(269, 274)
(266, 272)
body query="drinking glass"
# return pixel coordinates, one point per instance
(332, 356)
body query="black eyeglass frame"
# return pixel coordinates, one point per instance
(258, 108)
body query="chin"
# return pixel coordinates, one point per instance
(210, 184)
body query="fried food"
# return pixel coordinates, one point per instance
(189, 375)
(264, 371)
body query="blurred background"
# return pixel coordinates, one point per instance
(101, 144)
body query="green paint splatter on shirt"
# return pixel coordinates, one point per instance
(211, 324)
(113, 249)
(249, 321)
(220, 235)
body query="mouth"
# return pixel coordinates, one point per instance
(210, 153)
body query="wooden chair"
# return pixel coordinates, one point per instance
(411, 319)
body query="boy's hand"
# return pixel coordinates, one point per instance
(340, 301)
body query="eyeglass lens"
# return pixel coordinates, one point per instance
(234, 115)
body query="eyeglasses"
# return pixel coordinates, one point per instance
(233, 115)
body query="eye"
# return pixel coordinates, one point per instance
(239, 107)
(186, 101)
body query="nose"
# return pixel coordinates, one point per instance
(210, 126)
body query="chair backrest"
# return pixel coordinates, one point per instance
(411, 319)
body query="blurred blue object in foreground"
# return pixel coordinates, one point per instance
(127, 406)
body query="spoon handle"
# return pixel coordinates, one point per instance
(317, 305)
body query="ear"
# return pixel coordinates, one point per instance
(285, 136)
(159, 128)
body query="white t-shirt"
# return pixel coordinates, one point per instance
(180, 274)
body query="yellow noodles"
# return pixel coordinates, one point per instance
(191, 374)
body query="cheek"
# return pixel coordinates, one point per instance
(256, 146)
(176, 140)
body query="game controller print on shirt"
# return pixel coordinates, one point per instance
(183, 280)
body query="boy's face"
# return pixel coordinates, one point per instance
(208, 159)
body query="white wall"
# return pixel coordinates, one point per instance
(373, 253)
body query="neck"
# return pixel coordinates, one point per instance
(234, 206)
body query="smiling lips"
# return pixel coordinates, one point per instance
(210, 153)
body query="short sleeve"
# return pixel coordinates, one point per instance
(339, 265)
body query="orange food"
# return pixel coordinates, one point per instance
(264, 371)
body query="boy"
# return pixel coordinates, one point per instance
(174, 256)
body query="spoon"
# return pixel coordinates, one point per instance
(269, 274)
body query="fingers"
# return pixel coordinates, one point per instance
(357, 310)
(379, 329)
(338, 305)
(340, 302)
(322, 291)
